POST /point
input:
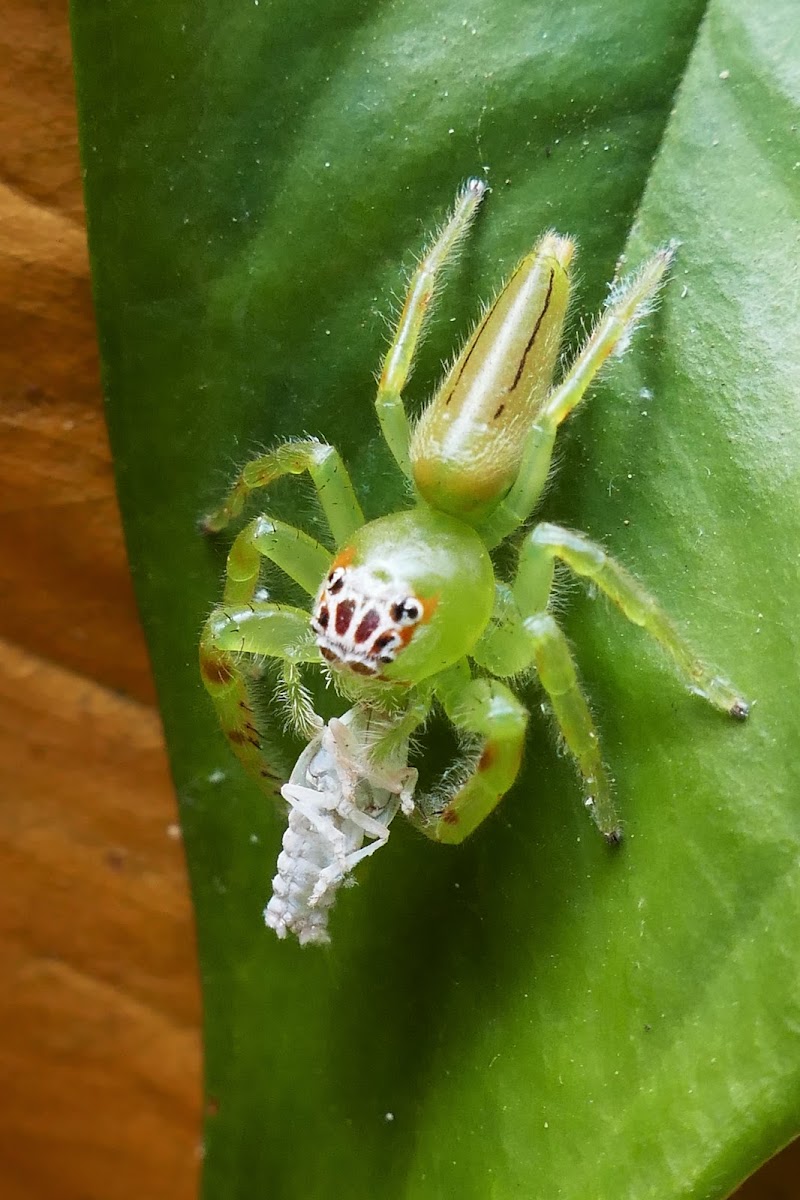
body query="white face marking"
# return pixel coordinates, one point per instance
(361, 622)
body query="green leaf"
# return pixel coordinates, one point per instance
(525, 1015)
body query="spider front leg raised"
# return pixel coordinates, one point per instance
(328, 473)
(400, 355)
(245, 627)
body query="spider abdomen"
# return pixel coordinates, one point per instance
(466, 448)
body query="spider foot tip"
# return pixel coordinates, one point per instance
(476, 186)
(207, 525)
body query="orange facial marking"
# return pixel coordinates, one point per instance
(429, 607)
(344, 558)
(450, 816)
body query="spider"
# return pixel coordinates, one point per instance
(408, 610)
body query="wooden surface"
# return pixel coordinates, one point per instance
(99, 1051)
(99, 1008)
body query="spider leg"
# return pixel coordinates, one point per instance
(522, 634)
(301, 557)
(304, 560)
(630, 301)
(297, 700)
(400, 355)
(394, 736)
(232, 639)
(555, 667)
(487, 710)
(327, 471)
(548, 542)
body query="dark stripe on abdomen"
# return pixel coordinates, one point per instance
(536, 327)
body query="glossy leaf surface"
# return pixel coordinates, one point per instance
(527, 1014)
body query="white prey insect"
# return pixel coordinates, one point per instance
(338, 797)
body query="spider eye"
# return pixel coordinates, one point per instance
(407, 612)
(336, 580)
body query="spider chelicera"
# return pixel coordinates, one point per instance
(408, 610)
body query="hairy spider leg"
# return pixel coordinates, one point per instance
(297, 700)
(227, 640)
(555, 667)
(232, 636)
(548, 542)
(400, 355)
(487, 710)
(628, 304)
(397, 734)
(522, 633)
(328, 473)
(300, 556)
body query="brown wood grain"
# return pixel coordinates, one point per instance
(100, 1052)
(99, 1007)
(64, 586)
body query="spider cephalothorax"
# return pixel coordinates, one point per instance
(391, 607)
(412, 598)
